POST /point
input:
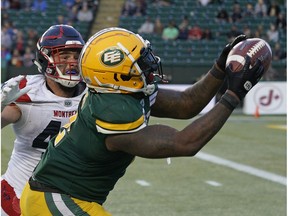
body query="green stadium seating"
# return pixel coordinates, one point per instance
(201, 51)
(24, 20)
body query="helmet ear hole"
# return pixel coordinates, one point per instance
(125, 78)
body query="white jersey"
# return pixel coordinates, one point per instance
(43, 113)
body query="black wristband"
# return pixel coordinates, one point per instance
(217, 72)
(229, 101)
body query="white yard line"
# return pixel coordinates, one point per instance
(214, 183)
(142, 183)
(243, 168)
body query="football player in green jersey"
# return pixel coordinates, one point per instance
(85, 160)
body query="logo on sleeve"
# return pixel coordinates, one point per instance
(112, 56)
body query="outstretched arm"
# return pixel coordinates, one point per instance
(160, 141)
(10, 114)
(186, 104)
(189, 103)
(10, 92)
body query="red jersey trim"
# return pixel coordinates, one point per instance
(25, 97)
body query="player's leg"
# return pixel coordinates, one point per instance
(45, 203)
(9, 201)
(91, 208)
(33, 203)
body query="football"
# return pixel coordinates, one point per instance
(256, 48)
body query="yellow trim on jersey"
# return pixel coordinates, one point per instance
(121, 127)
(31, 200)
(64, 129)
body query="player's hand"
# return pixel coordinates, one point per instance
(10, 90)
(221, 61)
(241, 82)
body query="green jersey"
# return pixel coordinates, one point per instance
(77, 161)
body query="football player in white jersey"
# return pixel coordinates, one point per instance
(38, 105)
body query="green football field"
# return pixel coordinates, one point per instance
(240, 172)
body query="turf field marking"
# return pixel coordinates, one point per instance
(280, 127)
(143, 183)
(243, 168)
(214, 183)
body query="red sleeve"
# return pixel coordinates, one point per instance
(25, 97)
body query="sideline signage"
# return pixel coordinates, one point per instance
(268, 98)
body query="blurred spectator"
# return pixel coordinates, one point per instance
(160, 3)
(281, 22)
(259, 32)
(278, 53)
(68, 3)
(27, 5)
(4, 16)
(93, 4)
(140, 8)
(60, 19)
(28, 57)
(16, 59)
(234, 32)
(147, 27)
(5, 5)
(85, 14)
(6, 39)
(249, 10)
(11, 30)
(222, 16)
(216, 2)
(195, 32)
(15, 4)
(272, 33)
(129, 8)
(183, 33)
(158, 26)
(78, 4)
(260, 8)
(184, 23)
(170, 32)
(134, 8)
(72, 15)
(39, 5)
(203, 2)
(5, 57)
(273, 9)
(19, 44)
(207, 34)
(247, 31)
(183, 29)
(32, 38)
(236, 13)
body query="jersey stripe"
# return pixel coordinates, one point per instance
(121, 127)
(57, 199)
(105, 131)
(51, 204)
(73, 206)
(25, 97)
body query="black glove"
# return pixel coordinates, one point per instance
(242, 81)
(221, 61)
(218, 69)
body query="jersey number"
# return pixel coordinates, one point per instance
(41, 141)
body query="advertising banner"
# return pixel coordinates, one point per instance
(266, 98)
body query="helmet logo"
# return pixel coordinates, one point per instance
(112, 56)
